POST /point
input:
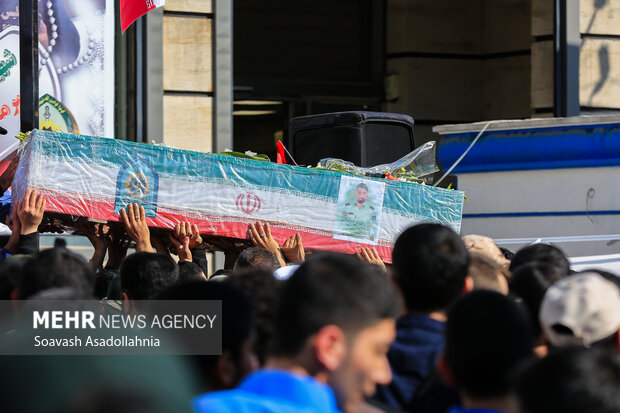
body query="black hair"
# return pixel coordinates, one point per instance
(572, 380)
(10, 272)
(115, 292)
(54, 267)
(144, 274)
(362, 186)
(540, 253)
(262, 288)
(237, 321)
(221, 271)
(190, 271)
(507, 253)
(611, 342)
(102, 282)
(330, 288)
(62, 293)
(530, 282)
(236, 307)
(430, 263)
(255, 257)
(487, 338)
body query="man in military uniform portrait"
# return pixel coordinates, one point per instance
(358, 217)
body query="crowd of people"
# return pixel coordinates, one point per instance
(451, 325)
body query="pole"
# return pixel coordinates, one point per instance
(566, 45)
(29, 64)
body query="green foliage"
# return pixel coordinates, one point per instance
(23, 136)
(454, 189)
(257, 157)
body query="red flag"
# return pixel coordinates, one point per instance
(132, 10)
(280, 158)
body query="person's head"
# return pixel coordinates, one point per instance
(530, 283)
(62, 293)
(430, 263)
(144, 274)
(582, 309)
(485, 245)
(572, 380)
(190, 271)
(115, 291)
(487, 274)
(487, 337)
(55, 267)
(361, 193)
(254, 258)
(10, 272)
(540, 253)
(238, 358)
(337, 319)
(262, 289)
(96, 384)
(103, 279)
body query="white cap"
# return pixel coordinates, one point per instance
(587, 304)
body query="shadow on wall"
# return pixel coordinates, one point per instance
(603, 61)
(598, 5)
(603, 53)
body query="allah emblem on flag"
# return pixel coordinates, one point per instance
(248, 203)
(137, 185)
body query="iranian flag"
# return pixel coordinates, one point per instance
(95, 178)
(132, 10)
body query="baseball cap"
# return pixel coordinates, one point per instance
(585, 307)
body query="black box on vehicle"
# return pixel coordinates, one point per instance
(364, 138)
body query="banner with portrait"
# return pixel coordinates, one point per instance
(76, 68)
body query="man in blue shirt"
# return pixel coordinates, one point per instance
(333, 327)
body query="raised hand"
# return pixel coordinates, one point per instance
(260, 235)
(134, 220)
(119, 243)
(97, 238)
(181, 241)
(186, 229)
(371, 256)
(30, 211)
(293, 249)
